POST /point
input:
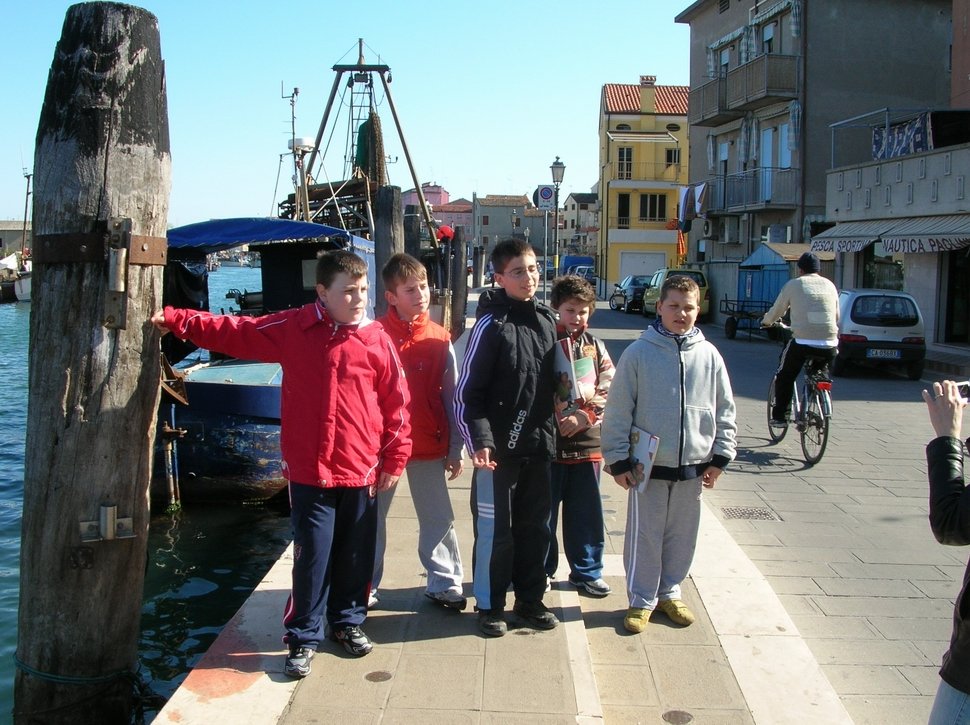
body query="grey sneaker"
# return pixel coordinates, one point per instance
(353, 639)
(298, 662)
(594, 587)
(448, 599)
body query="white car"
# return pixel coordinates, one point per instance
(880, 327)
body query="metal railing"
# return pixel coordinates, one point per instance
(645, 171)
(761, 188)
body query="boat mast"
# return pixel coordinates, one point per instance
(358, 70)
(23, 239)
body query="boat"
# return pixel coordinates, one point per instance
(228, 410)
(224, 444)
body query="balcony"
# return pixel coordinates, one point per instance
(707, 105)
(645, 171)
(627, 222)
(769, 78)
(764, 188)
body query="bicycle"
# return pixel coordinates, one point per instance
(811, 409)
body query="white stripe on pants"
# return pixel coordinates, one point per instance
(437, 541)
(661, 535)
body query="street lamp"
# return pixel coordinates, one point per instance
(558, 168)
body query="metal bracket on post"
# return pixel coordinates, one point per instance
(116, 301)
(108, 526)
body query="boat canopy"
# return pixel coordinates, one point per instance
(219, 234)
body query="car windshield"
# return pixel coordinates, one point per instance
(884, 311)
(639, 280)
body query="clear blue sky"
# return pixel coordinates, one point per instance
(488, 93)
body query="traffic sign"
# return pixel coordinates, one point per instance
(545, 197)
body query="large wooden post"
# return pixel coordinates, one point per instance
(459, 284)
(102, 154)
(388, 236)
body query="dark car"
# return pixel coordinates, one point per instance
(628, 293)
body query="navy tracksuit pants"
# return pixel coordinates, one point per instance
(510, 512)
(334, 534)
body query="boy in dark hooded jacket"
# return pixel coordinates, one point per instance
(504, 406)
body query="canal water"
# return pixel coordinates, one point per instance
(202, 562)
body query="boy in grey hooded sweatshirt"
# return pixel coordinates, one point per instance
(671, 382)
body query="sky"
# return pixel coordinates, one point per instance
(488, 94)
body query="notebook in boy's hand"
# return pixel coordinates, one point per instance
(643, 449)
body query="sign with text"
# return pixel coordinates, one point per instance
(545, 197)
(916, 245)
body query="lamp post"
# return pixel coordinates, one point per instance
(558, 168)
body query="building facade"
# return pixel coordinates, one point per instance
(643, 156)
(580, 223)
(767, 81)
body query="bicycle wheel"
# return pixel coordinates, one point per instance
(776, 433)
(815, 429)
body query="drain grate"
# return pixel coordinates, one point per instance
(749, 512)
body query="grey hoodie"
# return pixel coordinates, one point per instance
(677, 389)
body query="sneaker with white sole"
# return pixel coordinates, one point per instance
(448, 599)
(373, 599)
(593, 587)
(298, 662)
(353, 639)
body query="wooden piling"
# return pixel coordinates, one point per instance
(388, 236)
(459, 284)
(102, 153)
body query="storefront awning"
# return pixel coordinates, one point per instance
(928, 234)
(851, 236)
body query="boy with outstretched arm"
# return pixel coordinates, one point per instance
(504, 410)
(431, 370)
(671, 383)
(345, 435)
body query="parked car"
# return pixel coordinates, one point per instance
(879, 327)
(585, 271)
(628, 292)
(550, 269)
(651, 292)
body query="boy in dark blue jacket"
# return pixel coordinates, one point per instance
(504, 406)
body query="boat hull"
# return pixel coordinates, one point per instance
(231, 446)
(21, 287)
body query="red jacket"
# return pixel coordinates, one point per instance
(425, 350)
(343, 401)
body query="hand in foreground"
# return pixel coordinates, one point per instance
(710, 476)
(482, 458)
(573, 424)
(385, 481)
(454, 468)
(945, 406)
(158, 319)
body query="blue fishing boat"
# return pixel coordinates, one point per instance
(230, 427)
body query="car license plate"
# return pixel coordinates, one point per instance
(886, 354)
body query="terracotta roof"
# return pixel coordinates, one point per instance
(625, 98)
(504, 200)
(454, 206)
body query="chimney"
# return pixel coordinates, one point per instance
(648, 94)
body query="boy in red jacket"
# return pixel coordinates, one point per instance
(431, 370)
(344, 436)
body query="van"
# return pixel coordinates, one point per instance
(651, 293)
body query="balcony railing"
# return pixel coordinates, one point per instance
(707, 104)
(769, 78)
(768, 187)
(626, 222)
(644, 171)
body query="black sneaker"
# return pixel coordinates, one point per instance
(492, 623)
(353, 639)
(298, 662)
(536, 614)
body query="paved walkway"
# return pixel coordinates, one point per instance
(821, 598)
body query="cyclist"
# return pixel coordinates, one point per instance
(814, 304)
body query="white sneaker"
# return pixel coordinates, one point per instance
(373, 599)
